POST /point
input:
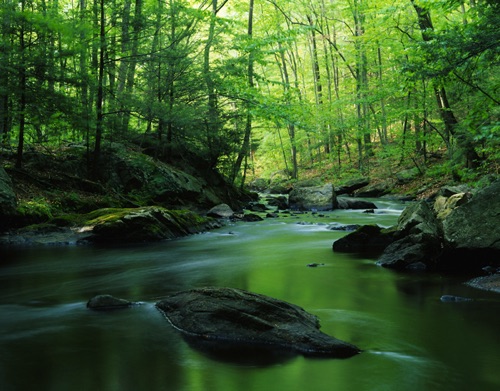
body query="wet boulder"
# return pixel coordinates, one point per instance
(415, 252)
(319, 198)
(417, 240)
(353, 203)
(367, 239)
(227, 316)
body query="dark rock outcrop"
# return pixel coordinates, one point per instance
(319, 198)
(352, 185)
(353, 203)
(280, 202)
(374, 190)
(343, 227)
(8, 200)
(412, 252)
(192, 184)
(251, 217)
(227, 316)
(367, 239)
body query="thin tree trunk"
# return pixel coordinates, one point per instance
(318, 86)
(5, 115)
(291, 127)
(22, 93)
(245, 147)
(100, 90)
(212, 121)
(136, 29)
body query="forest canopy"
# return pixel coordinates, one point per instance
(259, 86)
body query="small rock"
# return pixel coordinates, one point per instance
(107, 302)
(455, 299)
(221, 210)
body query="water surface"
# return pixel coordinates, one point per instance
(412, 341)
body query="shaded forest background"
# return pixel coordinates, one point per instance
(257, 88)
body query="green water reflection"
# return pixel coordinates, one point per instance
(412, 341)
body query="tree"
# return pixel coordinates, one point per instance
(245, 146)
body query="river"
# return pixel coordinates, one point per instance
(49, 340)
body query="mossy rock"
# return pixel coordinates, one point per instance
(145, 224)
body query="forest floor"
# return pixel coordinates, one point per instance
(42, 181)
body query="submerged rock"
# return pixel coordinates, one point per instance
(454, 299)
(227, 316)
(107, 302)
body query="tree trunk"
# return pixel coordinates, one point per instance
(136, 29)
(5, 115)
(449, 120)
(212, 117)
(22, 92)
(100, 90)
(245, 146)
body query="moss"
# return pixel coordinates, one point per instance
(35, 210)
(105, 215)
(190, 219)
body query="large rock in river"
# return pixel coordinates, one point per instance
(475, 225)
(227, 316)
(313, 198)
(367, 239)
(418, 240)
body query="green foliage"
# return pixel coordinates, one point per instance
(35, 210)
(328, 82)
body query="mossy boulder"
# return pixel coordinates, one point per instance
(145, 224)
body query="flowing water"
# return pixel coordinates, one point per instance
(411, 340)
